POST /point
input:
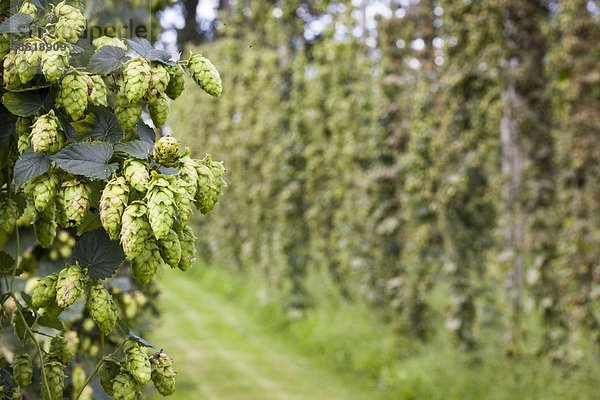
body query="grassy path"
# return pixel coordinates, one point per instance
(220, 352)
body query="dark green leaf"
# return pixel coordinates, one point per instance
(29, 166)
(51, 322)
(107, 128)
(107, 60)
(18, 23)
(146, 133)
(144, 48)
(96, 252)
(136, 148)
(27, 299)
(87, 159)
(91, 222)
(20, 327)
(140, 340)
(24, 104)
(7, 262)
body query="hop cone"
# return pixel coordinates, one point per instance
(188, 173)
(159, 78)
(145, 265)
(54, 63)
(138, 364)
(4, 45)
(28, 61)
(61, 213)
(71, 22)
(78, 377)
(62, 9)
(184, 200)
(108, 372)
(207, 194)
(28, 8)
(136, 74)
(124, 386)
(205, 75)
(70, 285)
(161, 204)
(135, 229)
(23, 370)
(188, 248)
(74, 95)
(55, 374)
(77, 194)
(218, 170)
(166, 151)
(99, 92)
(128, 114)
(45, 227)
(158, 105)
(170, 249)
(46, 134)
(9, 213)
(44, 292)
(176, 83)
(42, 190)
(102, 308)
(108, 41)
(60, 349)
(11, 75)
(23, 131)
(113, 201)
(163, 374)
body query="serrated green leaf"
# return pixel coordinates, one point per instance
(144, 48)
(7, 262)
(87, 159)
(51, 322)
(146, 133)
(18, 23)
(24, 104)
(136, 149)
(30, 165)
(106, 128)
(107, 59)
(91, 222)
(27, 299)
(100, 255)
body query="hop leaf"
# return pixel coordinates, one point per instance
(136, 75)
(161, 204)
(70, 285)
(23, 370)
(102, 308)
(55, 374)
(205, 75)
(166, 151)
(113, 201)
(144, 266)
(73, 95)
(124, 386)
(47, 135)
(138, 364)
(170, 249)
(77, 194)
(163, 374)
(187, 241)
(108, 372)
(135, 229)
(44, 292)
(60, 349)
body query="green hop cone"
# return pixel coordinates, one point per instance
(170, 249)
(78, 377)
(61, 212)
(159, 78)
(77, 193)
(99, 92)
(161, 204)
(45, 227)
(137, 174)
(16, 394)
(4, 45)
(124, 386)
(188, 173)
(184, 200)
(55, 374)
(54, 62)
(205, 74)
(23, 131)
(187, 240)
(42, 190)
(23, 144)
(144, 266)
(138, 364)
(207, 194)
(9, 214)
(109, 41)
(135, 229)
(136, 74)
(158, 106)
(113, 201)
(60, 349)
(44, 291)
(176, 83)
(23, 370)
(163, 374)
(46, 134)
(11, 75)
(71, 22)
(108, 372)
(73, 95)
(166, 151)
(28, 8)
(128, 114)
(70, 285)
(218, 170)
(102, 308)
(28, 60)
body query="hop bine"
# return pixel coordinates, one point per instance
(159, 78)
(45, 226)
(102, 308)
(71, 22)
(108, 41)
(54, 62)
(128, 113)
(42, 190)
(99, 92)
(187, 241)
(108, 372)
(23, 131)
(158, 106)
(170, 249)
(205, 74)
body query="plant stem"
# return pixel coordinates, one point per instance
(17, 252)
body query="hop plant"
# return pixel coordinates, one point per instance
(77, 194)
(108, 41)
(60, 349)
(161, 204)
(55, 374)
(70, 285)
(46, 134)
(170, 249)
(124, 386)
(45, 227)
(159, 78)
(136, 74)
(54, 62)
(144, 266)
(166, 151)
(108, 371)
(176, 82)
(128, 113)
(135, 229)
(102, 308)
(158, 106)
(138, 364)
(23, 370)
(44, 292)
(205, 74)
(9, 213)
(73, 95)
(42, 190)
(187, 240)
(113, 201)
(163, 374)
(99, 92)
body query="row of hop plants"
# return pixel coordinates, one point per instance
(107, 198)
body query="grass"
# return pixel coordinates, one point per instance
(229, 344)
